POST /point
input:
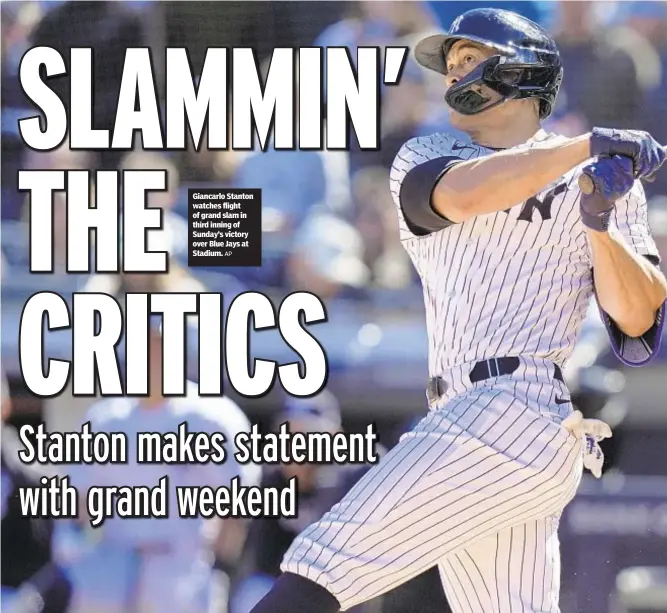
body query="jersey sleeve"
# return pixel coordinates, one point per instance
(631, 220)
(418, 166)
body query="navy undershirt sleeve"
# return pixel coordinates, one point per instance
(415, 196)
(641, 350)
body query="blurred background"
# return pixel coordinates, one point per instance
(329, 227)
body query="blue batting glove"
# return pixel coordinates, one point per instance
(612, 178)
(646, 153)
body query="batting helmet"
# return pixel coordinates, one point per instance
(528, 63)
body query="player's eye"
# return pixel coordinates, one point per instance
(466, 60)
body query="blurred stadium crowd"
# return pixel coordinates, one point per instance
(329, 225)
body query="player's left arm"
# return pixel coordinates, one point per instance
(630, 288)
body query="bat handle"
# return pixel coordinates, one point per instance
(586, 184)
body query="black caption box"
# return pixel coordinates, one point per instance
(225, 227)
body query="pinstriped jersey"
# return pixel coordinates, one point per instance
(513, 283)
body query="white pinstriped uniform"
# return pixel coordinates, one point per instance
(479, 485)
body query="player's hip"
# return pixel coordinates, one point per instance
(536, 382)
(504, 415)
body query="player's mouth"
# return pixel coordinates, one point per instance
(468, 101)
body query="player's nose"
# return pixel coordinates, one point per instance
(451, 78)
(454, 75)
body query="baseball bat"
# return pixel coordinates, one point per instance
(587, 186)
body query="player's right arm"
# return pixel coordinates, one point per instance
(438, 181)
(506, 178)
(503, 179)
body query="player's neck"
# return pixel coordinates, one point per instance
(505, 136)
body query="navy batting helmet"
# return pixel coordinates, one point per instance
(528, 63)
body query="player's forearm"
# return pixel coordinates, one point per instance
(504, 179)
(629, 288)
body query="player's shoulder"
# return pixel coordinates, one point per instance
(420, 149)
(211, 412)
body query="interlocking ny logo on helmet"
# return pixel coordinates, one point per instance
(528, 63)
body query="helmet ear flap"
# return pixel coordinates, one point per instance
(513, 76)
(481, 89)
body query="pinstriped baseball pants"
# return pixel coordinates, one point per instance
(476, 488)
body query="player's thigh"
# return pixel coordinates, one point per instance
(514, 571)
(438, 490)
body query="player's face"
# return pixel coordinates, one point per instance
(462, 59)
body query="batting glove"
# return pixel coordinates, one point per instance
(591, 431)
(646, 153)
(612, 178)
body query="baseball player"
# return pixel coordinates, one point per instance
(509, 251)
(163, 564)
